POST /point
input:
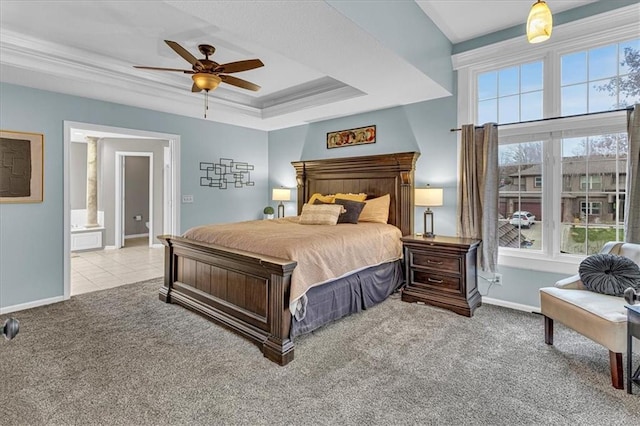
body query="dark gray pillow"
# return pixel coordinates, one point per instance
(609, 274)
(352, 210)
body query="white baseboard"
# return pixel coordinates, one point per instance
(29, 305)
(136, 236)
(109, 247)
(511, 305)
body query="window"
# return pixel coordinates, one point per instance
(510, 94)
(590, 208)
(599, 79)
(593, 182)
(570, 173)
(520, 191)
(537, 183)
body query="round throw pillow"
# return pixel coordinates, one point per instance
(609, 274)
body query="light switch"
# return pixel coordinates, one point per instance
(187, 198)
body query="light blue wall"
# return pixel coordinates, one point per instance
(422, 127)
(403, 27)
(31, 235)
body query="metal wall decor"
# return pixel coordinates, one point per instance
(226, 172)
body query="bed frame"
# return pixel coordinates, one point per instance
(248, 293)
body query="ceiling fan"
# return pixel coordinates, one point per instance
(208, 74)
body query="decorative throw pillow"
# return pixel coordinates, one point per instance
(376, 210)
(609, 274)
(351, 212)
(353, 197)
(320, 214)
(327, 199)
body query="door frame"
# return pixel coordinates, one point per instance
(120, 194)
(174, 169)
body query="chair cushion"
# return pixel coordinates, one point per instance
(609, 274)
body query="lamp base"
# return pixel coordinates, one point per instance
(428, 233)
(280, 210)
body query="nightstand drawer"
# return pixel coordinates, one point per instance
(429, 281)
(440, 263)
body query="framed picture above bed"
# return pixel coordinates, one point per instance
(21, 167)
(359, 136)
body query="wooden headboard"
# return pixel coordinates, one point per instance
(375, 175)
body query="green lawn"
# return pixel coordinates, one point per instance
(578, 234)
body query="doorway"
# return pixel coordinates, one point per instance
(134, 207)
(171, 210)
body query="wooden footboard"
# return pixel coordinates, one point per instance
(245, 292)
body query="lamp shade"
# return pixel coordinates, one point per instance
(539, 23)
(206, 81)
(429, 197)
(281, 194)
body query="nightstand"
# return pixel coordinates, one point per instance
(441, 271)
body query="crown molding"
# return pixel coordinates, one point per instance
(595, 30)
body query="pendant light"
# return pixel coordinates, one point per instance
(539, 23)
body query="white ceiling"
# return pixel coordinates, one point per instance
(318, 63)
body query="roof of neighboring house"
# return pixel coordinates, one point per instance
(509, 236)
(595, 167)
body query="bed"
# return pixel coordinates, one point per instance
(250, 293)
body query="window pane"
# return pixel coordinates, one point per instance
(601, 99)
(592, 199)
(509, 109)
(508, 81)
(488, 85)
(603, 62)
(574, 68)
(531, 77)
(574, 99)
(520, 195)
(626, 52)
(488, 111)
(531, 106)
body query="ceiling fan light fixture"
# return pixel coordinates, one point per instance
(539, 22)
(206, 81)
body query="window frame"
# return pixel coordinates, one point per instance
(596, 31)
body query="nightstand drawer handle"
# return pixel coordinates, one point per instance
(431, 280)
(431, 261)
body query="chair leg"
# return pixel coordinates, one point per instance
(548, 330)
(617, 377)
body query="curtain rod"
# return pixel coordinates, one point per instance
(629, 108)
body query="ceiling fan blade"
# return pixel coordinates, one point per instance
(184, 53)
(238, 66)
(235, 81)
(195, 89)
(163, 69)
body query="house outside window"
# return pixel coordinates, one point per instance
(574, 183)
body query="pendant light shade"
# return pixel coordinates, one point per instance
(539, 23)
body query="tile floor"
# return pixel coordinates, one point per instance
(101, 269)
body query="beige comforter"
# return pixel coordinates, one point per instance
(323, 252)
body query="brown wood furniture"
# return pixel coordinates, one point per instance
(441, 271)
(248, 293)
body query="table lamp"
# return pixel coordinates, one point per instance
(281, 194)
(428, 197)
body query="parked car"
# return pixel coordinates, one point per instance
(522, 219)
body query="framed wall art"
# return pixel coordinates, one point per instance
(359, 136)
(21, 167)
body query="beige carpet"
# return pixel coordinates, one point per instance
(121, 356)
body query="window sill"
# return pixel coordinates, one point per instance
(561, 264)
